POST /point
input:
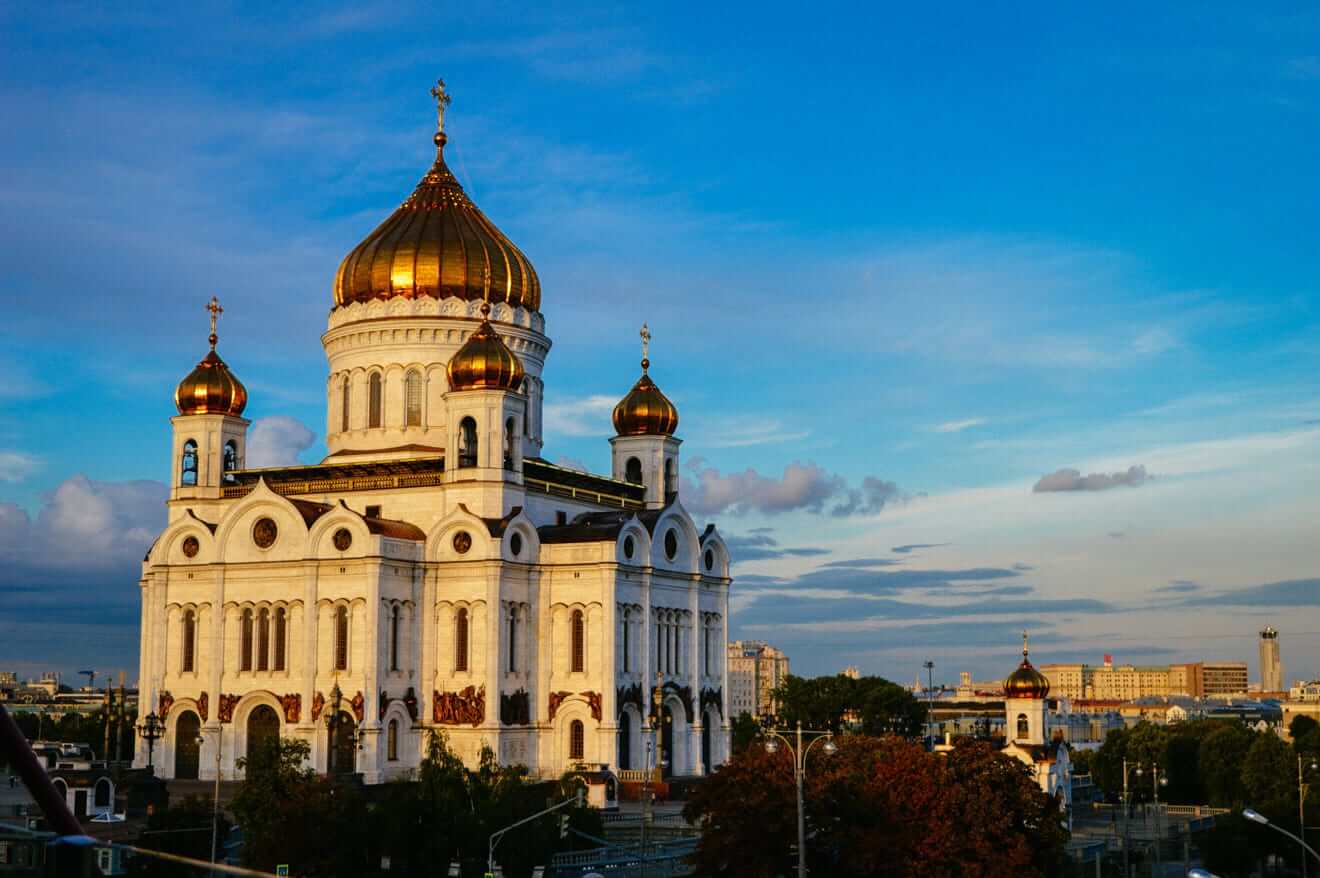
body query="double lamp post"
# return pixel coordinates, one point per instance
(799, 750)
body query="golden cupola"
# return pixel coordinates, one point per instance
(438, 244)
(1026, 681)
(484, 362)
(210, 388)
(645, 411)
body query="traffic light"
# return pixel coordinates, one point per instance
(563, 826)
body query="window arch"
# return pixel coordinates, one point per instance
(344, 405)
(245, 648)
(102, 794)
(513, 639)
(508, 443)
(627, 638)
(231, 460)
(577, 740)
(341, 638)
(671, 478)
(188, 464)
(1023, 726)
(392, 741)
(375, 394)
(412, 399)
(263, 640)
(467, 443)
(578, 637)
(632, 471)
(189, 641)
(394, 638)
(461, 640)
(281, 637)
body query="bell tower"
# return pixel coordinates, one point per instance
(1024, 703)
(645, 451)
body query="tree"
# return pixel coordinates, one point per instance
(745, 730)
(1269, 776)
(878, 706)
(1302, 725)
(1220, 758)
(184, 829)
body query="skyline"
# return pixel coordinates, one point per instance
(972, 326)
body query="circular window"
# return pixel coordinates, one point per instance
(264, 533)
(710, 560)
(515, 544)
(671, 544)
(629, 546)
(343, 539)
(462, 542)
(191, 547)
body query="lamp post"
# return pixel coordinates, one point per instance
(930, 702)
(151, 730)
(1257, 817)
(215, 800)
(1302, 789)
(332, 729)
(1127, 804)
(799, 753)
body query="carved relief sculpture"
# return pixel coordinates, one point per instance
(556, 699)
(203, 706)
(227, 705)
(594, 702)
(630, 695)
(383, 704)
(713, 697)
(460, 708)
(318, 705)
(359, 705)
(410, 702)
(516, 708)
(166, 702)
(292, 704)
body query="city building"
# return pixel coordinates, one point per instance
(433, 571)
(1123, 682)
(756, 669)
(1187, 679)
(1224, 678)
(1271, 666)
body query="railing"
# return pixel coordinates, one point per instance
(667, 859)
(347, 483)
(1195, 811)
(600, 498)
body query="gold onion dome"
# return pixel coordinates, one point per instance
(484, 362)
(211, 389)
(645, 411)
(1026, 681)
(438, 244)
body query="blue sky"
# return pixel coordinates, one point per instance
(901, 265)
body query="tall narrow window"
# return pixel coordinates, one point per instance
(1023, 726)
(508, 444)
(394, 638)
(705, 649)
(461, 641)
(577, 740)
(231, 460)
(513, 639)
(344, 405)
(392, 741)
(188, 465)
(263, 640)
(375, 393)
(341, 639)
(245, 648)
(632, 471)
(189, 640)
(578, 636)
(412, 399)
(671, 481)
(467, 443)
(627, 625)
(281, 637)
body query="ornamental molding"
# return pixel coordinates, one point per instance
(166, 701)
(227, 705)
(516, 708)
(291, 703)
(467, 707)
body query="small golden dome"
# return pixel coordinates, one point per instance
(210, 388)
(645, 411)
(438, 244)
(1026, 681)
(484, 362)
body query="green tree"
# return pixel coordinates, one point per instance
(1269, 776)
(1302, 725)
(1182, 763)
(745, 730)
(183, 829)
(1220, 757)
(880, 706)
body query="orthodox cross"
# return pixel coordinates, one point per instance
(646, 345)
(1024, 643)
(214, 307)
(442, 100)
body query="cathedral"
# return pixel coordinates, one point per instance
(433, 572)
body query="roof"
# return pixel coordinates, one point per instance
(372, 475)
(386, 527)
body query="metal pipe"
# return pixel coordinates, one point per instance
(14, 747)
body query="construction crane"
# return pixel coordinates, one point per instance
(91, 678)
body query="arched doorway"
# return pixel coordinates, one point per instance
(263, 725)
(187, 749)
(343, 753)
(667, 741)
(705, 744)
(625, 741)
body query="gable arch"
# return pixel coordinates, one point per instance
(440, 540)
(531, 541)
(234, 534)
(688, 541)
(321, 535)
(641, 544)
(714, 543)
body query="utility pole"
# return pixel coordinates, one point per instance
(930, 701)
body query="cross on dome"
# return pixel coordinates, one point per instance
(646, 347)
(442, 101)
(214, 307)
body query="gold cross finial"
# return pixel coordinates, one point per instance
(646, 347)
(1024, 643)
(214, 307)
(442, 100)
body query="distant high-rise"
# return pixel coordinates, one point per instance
(1271, 667)
(756, 669)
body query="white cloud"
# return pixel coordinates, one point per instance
(579, 416)
(84, 524)
(277, 441)
(15, 466)
(744, 432)
(803, 486)
(959, 426)
(1073, 480)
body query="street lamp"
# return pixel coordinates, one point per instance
(1257, 817)
(930, 702)
(215, 800)
(151, 730)
(773, 738)
(1302, 788)
(1200, 873)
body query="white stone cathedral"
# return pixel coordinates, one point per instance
(433, 571)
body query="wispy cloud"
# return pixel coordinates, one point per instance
(1073, 480)
(15, 466)
(803, 486)
(744, 432)
(579, 416)
(958, 426)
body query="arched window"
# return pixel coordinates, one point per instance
(101, 797)
(245, 648)
(231, 460)
(374, 396)
(281, 637)
(461, 641)
(412, 399)
(1023, 726)
(632, 471)
(189, 641)
(627, 626)
(263, 640)
(577, 740)
(344, 407)
(508, 444)
(513, 639)
(394, 638)
(188, 466)
(392, 741)
(705, 649)
(341, 638)
(578, 647)
(671, 480)
(467, 443)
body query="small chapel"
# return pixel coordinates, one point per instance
(433, 571)
(1027, 733)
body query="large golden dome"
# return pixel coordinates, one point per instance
(210, 388)
(484, 362)
(1026, 681)
(438, 244)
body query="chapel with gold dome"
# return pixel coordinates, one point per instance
(433, 571)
